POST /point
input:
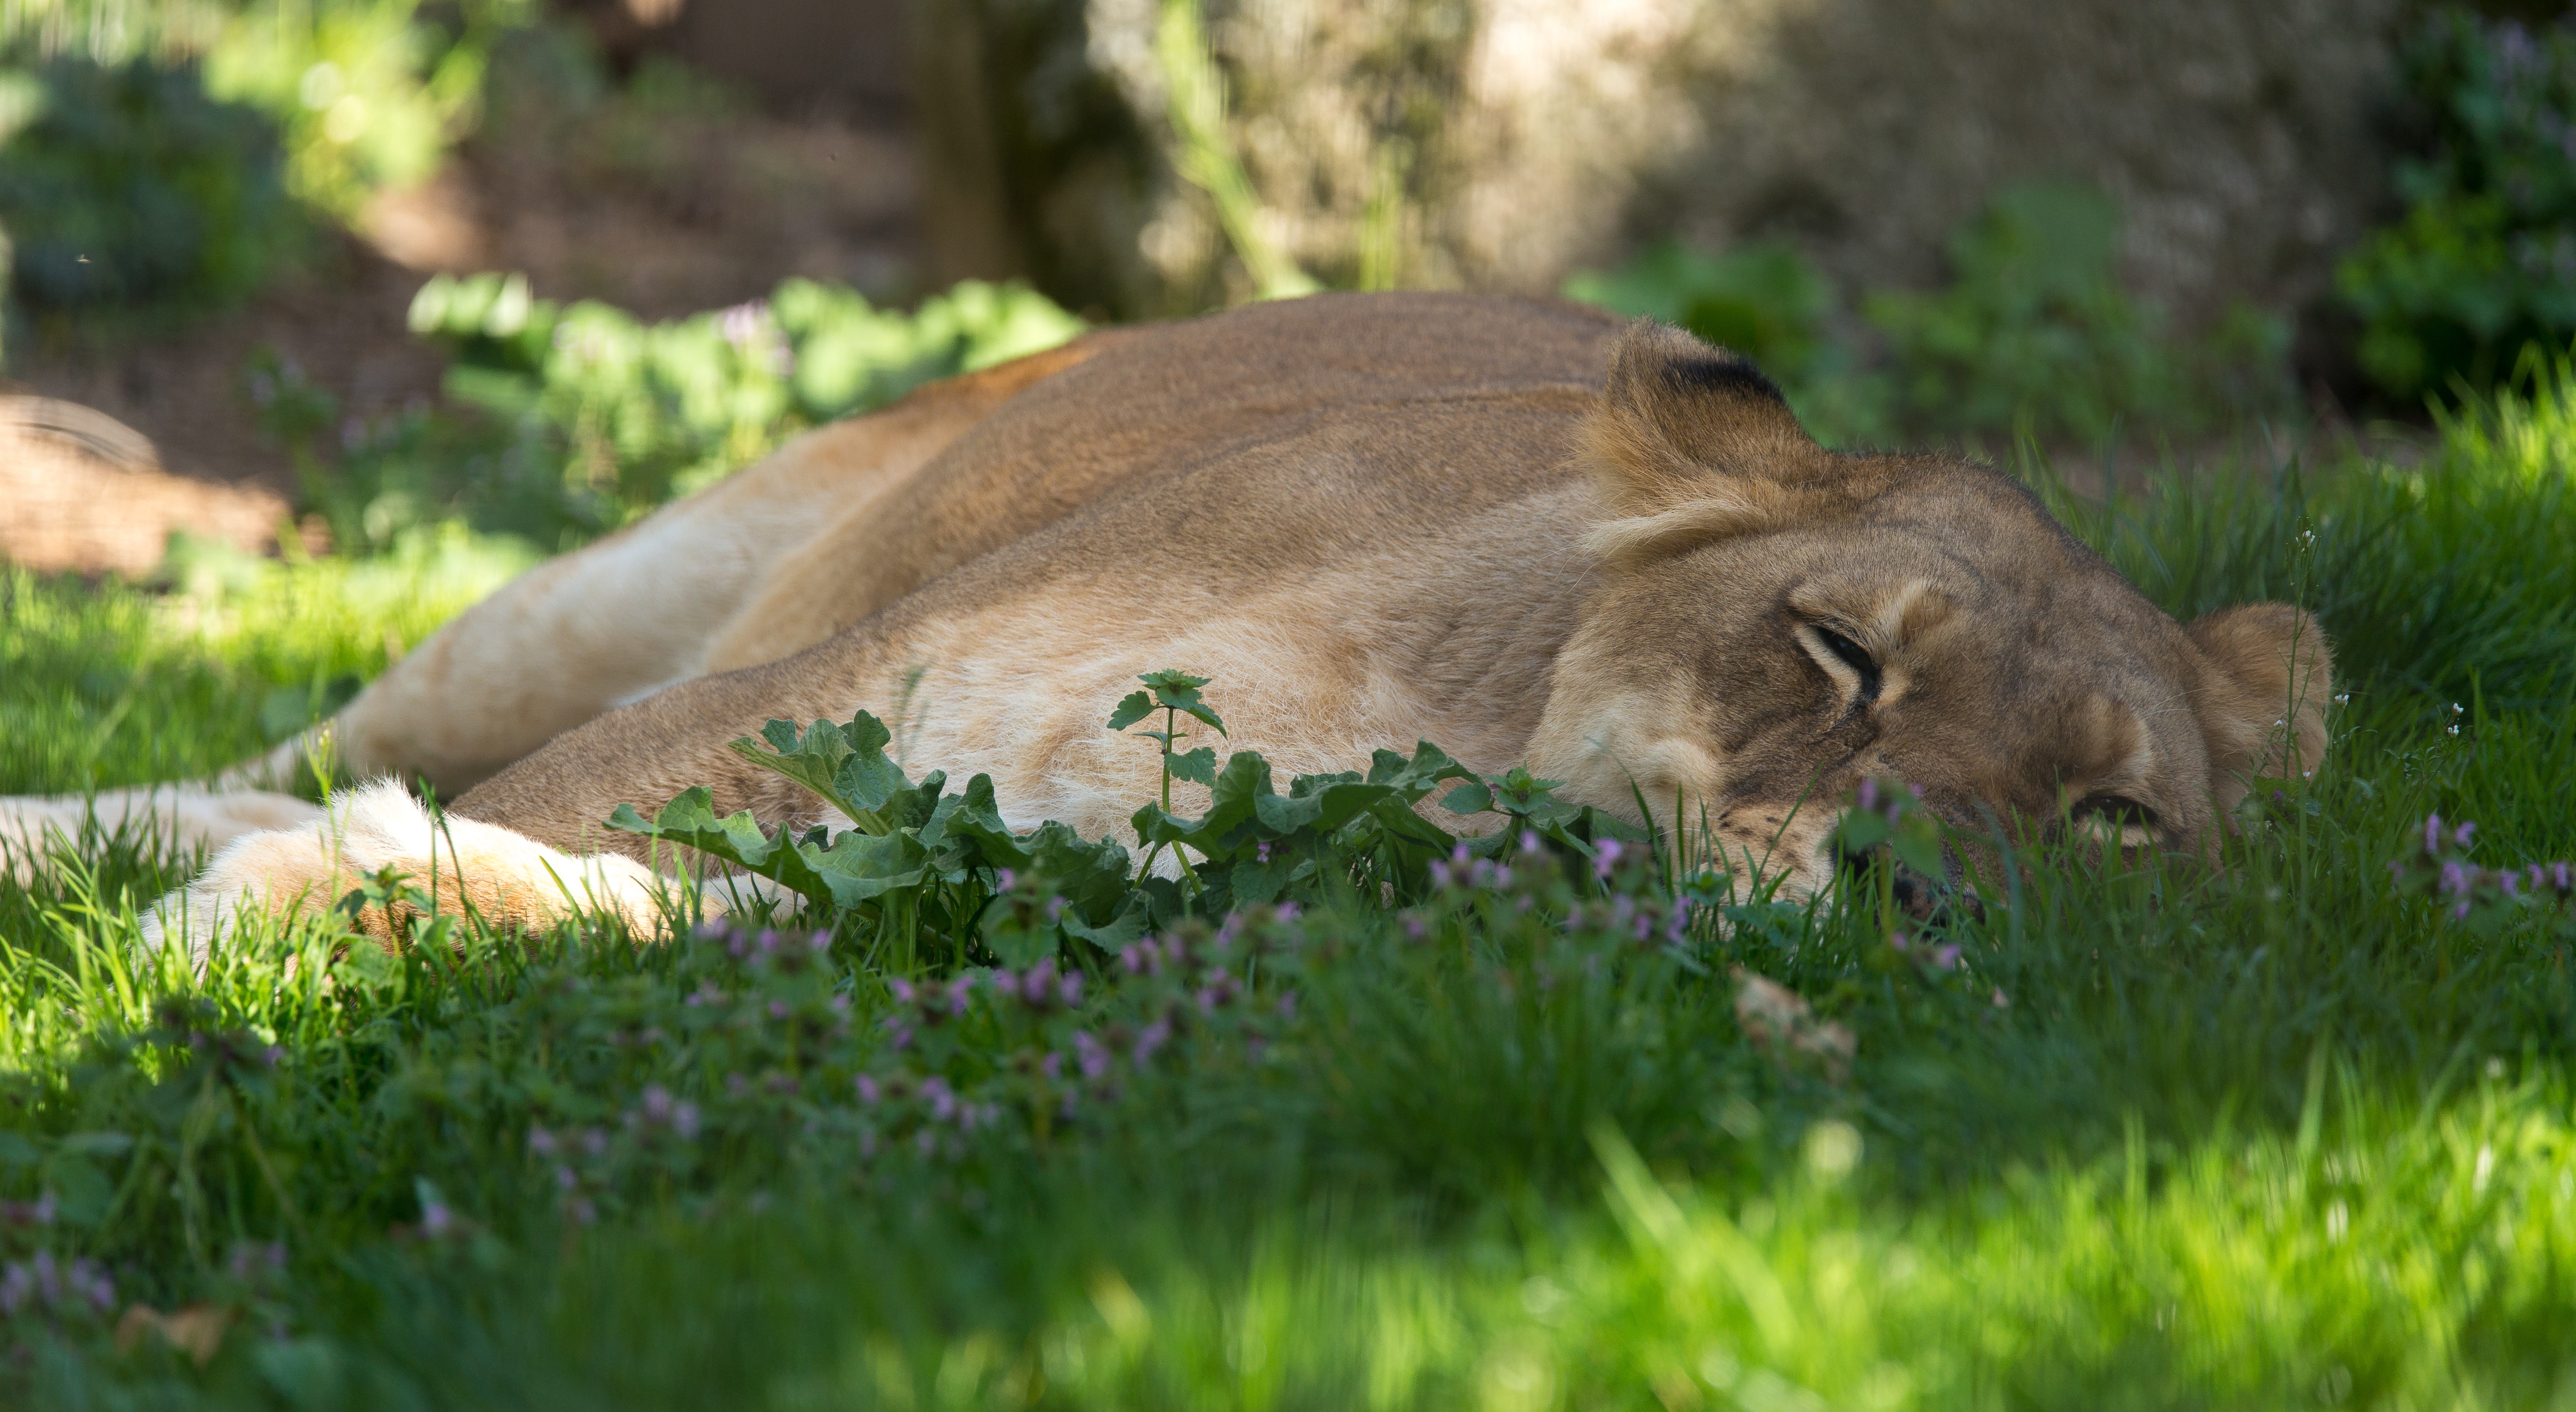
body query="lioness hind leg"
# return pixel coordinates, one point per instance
(468, 867)
(187, 816)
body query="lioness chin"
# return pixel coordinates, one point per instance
(1516, 529)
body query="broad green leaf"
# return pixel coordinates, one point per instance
(689, 820)
(1418, 776)
(1134, 707)
(1197, 766)
(867, 779)
(1473, 797)
(861, 867)
(1920, 849)
(809, 759)
(1179, 691)
(1134, 915)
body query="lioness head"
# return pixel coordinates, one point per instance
(1774, 621)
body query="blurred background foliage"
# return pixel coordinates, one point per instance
(159, 161)
(2483, 263)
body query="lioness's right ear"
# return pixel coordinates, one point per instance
(1691, 440)
(2263, 707)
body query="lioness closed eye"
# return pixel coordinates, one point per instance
(1520, 530)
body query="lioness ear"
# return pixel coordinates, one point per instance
(2263, 708)
(1691, 440)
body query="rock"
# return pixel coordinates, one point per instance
(1502, 144)
(81, 492)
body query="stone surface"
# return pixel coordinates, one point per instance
(1527, 138)
(81, 492)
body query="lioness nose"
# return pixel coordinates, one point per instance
(1921, 897)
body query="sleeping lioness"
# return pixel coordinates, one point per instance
(1519, 530)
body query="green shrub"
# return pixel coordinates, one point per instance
(1765, 301)
(127, 185)
(2484, 262)
(2034, 325)
(591, 418)
(371, 93)
(2033, 330)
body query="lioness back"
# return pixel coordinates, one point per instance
(1160, 435)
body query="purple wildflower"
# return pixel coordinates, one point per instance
(2460, 835)
(1605, 857)
(1038, 986)
(1151, 1038)
(436, 1220)
(868, 1090)
(541, 1142)
(2432, 835)
(1530, 843)
(778, 1009)
(1090, 1054)
(1865, 798)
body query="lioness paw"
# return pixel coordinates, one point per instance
(469, 868)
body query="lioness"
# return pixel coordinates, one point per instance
(1516, 529)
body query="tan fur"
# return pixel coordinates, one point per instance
(1502, 526)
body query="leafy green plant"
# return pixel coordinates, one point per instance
(126, 186)
(2483, 263)
(371, 93)
(924, 873)
(2035, 327)
(2033, 331)
(1763, 300)
(607, 417)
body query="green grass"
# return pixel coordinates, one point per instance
(2269, 1135)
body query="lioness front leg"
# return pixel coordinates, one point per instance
(182, 816)
(469, 868)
